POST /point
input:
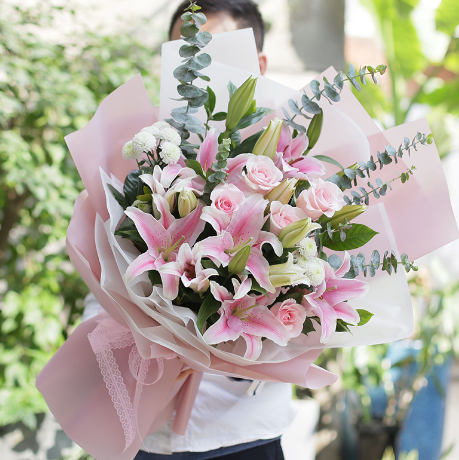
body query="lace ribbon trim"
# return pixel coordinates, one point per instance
(109, 335)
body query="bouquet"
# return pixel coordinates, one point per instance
(218, 244)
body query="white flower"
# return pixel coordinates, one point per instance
(307, 248)
(170, 153)
(171, 135)
(314, 270)
(129, 153)
(143, 142)
(161, 125)
(156, 132)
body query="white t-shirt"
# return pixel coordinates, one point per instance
(223, 414)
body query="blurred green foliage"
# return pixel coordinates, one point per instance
(415, 78)
(48, 89)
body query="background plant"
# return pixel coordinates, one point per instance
(416, 79)
(47, 90)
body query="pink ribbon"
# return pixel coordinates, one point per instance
(110, 335)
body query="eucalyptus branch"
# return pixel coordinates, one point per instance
(344, 178)
(331, 92)
(378, 191)
(189, 71)
(388, 263)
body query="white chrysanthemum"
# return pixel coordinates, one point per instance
(314, 270)
(128, 152)
(170, 153)
(161, 125)
(307, 248)
(171, 135)
(156, 132)
(143, 142)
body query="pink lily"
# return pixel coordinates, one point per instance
(163, 243)
(242, 316)
(188, 269)
(329, 300)
(208, 150)
(170, 180)
(244, 229)
(290, 159)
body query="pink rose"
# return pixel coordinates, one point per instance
(283, 215)
(261, 174)
(291, 315)
(227, 198)
(321, 198)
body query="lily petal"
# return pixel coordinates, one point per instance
(209, 149)
(299, 145)
(347, 313)
(220, 332)
(140, 265)
(169, 173)
(241, 289)
(216, 247)
(152, 232)
(248, 220)
(189, 227)
(218, 219)
(340, 290)
(262, 322)
(254, 344)
(310, 166)
(285, 138)
(162, 206)
(273, 240)
(259, 267)
(327, 316)
(220, 293)
(345, 266)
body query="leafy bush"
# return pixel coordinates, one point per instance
(47, 90)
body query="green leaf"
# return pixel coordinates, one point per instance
(210, 104)
(310, 106)
(447, 16)
(335, 261)
(190, 91)
(327, 159)
(200, 39)
(199, 18)
(119, 197)
(315, 130)
(188, 29)
(357, 236)
(294, 107)
(208, 308)
(257, 288)
(308, 326)
(187, 51)
(196, 167)
(255, 117)
(331, 92)
(132, 186)
(219, 116)
(315, 88)
(246, 145)
(154, 277)
(232, 88)
(365, 316)
(199, 62)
